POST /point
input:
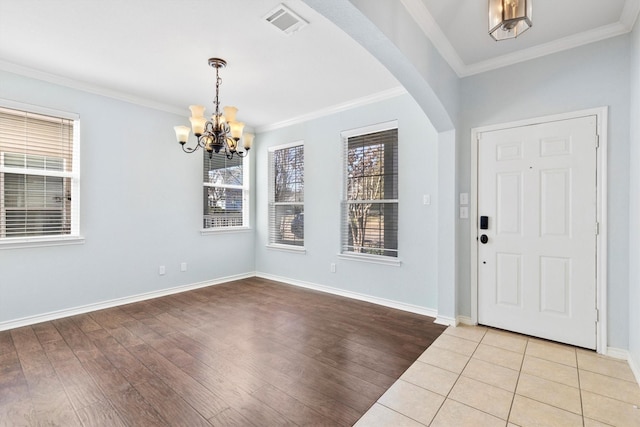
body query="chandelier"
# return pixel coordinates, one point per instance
(509, 18)
(220, 134)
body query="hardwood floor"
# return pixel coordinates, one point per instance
(251, 352)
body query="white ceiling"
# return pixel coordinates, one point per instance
(155, 52)
(459, 29)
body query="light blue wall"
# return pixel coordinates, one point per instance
(141, 199)
(634, 201)
(590, 76)
(416, 280)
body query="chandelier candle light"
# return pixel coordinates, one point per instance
(509, 18)
(222, 132)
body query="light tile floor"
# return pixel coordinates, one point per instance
(477, 376)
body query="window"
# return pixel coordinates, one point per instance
(39, 174)
(225, 193)
(370, 201)
(286, 194)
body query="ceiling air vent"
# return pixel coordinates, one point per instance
(285, 19)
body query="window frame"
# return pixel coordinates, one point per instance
(344, 220)
(245, 188)
(74, 236)
(271, 241)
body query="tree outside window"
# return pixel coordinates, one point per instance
(286, 205)
(371, 200)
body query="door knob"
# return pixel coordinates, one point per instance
(484, 239)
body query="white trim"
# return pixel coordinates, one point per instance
(37, 109)
(73, 237)
(465, 320)
(430, 28)
(39, 242)
(446, 321)
(53, 315)
(88, 87)
(602, 217)
(622, 354)
(427, 23)
(364, 130)
(617, 353)
(560, 45)
(219, 230)
(629, 14)
(376, 97)
(353, 295)
(634, 368)
(286, 248)
(121, 96)
(274, 148)
(372, 259)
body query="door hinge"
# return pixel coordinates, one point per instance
(597, 228)
(597, 315)
(597, 141)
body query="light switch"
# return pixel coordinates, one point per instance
(464, 212)
(426, 199)
(464, 199)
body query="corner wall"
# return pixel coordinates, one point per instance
(415, 282)
(634, 209)
(141, 207)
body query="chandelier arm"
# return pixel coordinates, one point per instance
(189, 149)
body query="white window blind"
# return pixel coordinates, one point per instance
(286, 194)
(39, 177)
(224, 192)
(370, 202)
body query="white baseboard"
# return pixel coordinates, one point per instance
(619, 353)
(447, 321)
(53, 315)
(634, 368)
(353, 295)
(465, 320)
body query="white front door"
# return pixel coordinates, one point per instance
(537, 264)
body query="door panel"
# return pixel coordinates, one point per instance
(537, 271)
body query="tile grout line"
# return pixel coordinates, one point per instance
(457, 379)
(579, 386)
(513, 398)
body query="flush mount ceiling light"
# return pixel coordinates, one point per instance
(509, 18)
(220, 134)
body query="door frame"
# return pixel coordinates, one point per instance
(601, 211)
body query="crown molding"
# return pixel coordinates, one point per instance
(87, 87)
(429, 26)
(376, 97)
(555, 46)
(629, 14)
(432, 30)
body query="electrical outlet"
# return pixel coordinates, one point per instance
(332, 267)
(426, 199)
(183, 266)
(161, 270)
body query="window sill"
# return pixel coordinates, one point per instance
(287, 248)
(219, 230)
(39, 242)
(372, 259)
